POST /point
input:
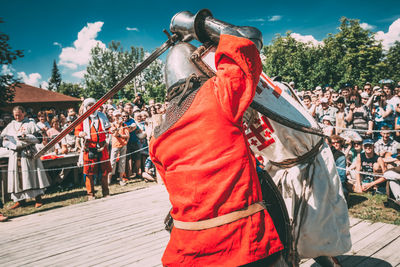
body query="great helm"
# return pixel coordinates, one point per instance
(178, 65)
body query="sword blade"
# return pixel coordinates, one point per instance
(158, 52)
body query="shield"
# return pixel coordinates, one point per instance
(270, 99)
(277, 210)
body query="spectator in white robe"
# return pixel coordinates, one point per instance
(26, 177)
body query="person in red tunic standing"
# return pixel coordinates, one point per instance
(203, 157)
(95, 154)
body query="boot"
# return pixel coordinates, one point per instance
(123, 177)
(148, 178)
(38, 201)
(17, 204)
(3, 218)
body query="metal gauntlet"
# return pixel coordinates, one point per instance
(204, 28)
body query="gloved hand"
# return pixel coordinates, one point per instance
(204, 28)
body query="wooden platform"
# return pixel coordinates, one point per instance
(127, 230)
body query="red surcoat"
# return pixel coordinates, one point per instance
(96, 136)
(209, 170)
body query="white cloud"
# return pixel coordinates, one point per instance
(31, 79)
(6, 70)
(275, 18)
(132, 29)
(366, 26)
(307, 39)
(69, 65)
(79, 53)
(79, 74)
(44, 85)
(256, 20)
(391, 36)
(57, 44)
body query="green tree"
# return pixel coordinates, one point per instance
(71, 89)
(110, 65)
(150, 83)
(292, 60)
(101, 73)
(7, 80)
(350, 56)
(55, 79)
(392, 62)
(356, 52)
(133, 58)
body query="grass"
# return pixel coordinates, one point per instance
(373, 208)
(57, 197)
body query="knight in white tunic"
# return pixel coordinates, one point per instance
(26, 176)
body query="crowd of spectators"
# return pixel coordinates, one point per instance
(127, 139)
(132, 125)
(362, 126)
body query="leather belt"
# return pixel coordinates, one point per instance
(220, 220)
(308, 157)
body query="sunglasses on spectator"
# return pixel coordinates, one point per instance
(125, 116)
(358, 143)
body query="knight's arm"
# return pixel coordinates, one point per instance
(205, 28)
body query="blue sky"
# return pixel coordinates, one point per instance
(66, 30)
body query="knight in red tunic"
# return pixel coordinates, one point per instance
(95, 153)
(203, 157)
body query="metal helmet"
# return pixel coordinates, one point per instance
(178, 65)
(205, 28)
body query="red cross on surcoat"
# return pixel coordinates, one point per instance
(260, 133)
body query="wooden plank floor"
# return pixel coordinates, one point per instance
(127, 230)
